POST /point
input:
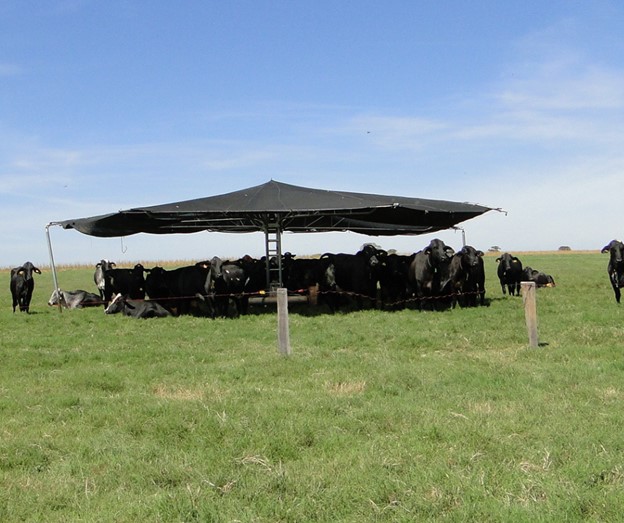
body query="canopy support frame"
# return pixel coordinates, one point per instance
(52, 264)
(273, 250)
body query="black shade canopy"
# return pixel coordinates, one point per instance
(275, 206)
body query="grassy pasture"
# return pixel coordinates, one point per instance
(376, 416)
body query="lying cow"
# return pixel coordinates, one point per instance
(22, 285)
(615, 268)
(541, 279)
(136, 309)
(74, 299)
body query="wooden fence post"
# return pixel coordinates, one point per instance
(283, 337)
(530, 311)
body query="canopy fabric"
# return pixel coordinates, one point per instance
(284, 207)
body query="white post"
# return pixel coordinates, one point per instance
(283, 338)
(530, 311)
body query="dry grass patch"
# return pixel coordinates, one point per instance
(178, 393)
(346, 388)
(610, 394)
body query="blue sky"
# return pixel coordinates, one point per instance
(111, 105)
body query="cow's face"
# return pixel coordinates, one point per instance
(56, 298)
(506, 260)
(215, 266)
(27, 269)
(105, 265)
(470, 256)
(116, 305)
(616, 251)
(439, 252)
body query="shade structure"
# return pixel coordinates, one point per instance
(287, 207)
(275, 207)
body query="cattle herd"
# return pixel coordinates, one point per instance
(434, 278)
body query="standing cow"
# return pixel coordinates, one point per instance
(98, 276)
(355, 275)
(466, 277)
(615, 268)
(428, 271)
(22, 286)
(186, 290)
(510, 273)
(229, 287)
(394, 285)
(129, 282)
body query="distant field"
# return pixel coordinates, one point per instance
(376, 416)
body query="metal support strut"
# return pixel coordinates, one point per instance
(52, 264)
(273, 249)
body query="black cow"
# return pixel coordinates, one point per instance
(356, 275)
(186, 290)
(541, 279)
(136, 309)
(299, 274)
(128, 282)
(394, 285)
(74, 299)
(98, 275)
(255, 273)
(509, 273)
(465, 279)
(428, 270)
(22, 286)
(229, 287)
(615, 268)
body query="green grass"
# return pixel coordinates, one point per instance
(376, 416)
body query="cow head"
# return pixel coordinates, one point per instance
(616, 249)
(105, 265)
(438, 253)
(215, 267)
(374, 255)
(527, 273)
(550, 281)
(507, 261)
(470, 257)
(58, 296)
(27, 270)
(116, 305)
